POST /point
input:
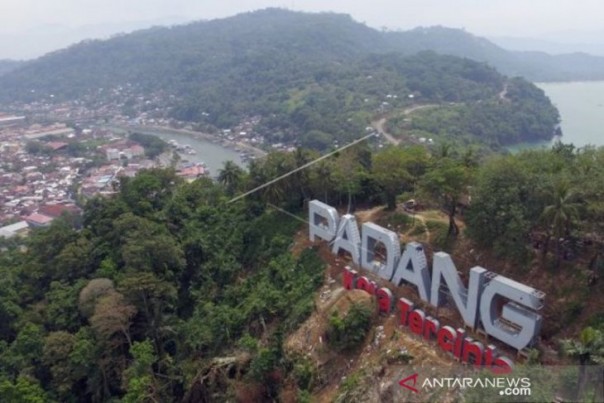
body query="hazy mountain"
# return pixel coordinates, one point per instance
(553, 47)
(183, 59)
(179, 58)
(533, 65)
(9, 65)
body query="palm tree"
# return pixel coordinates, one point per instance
(589, 349)
(301, 178)
(321, 179)
(560, 215)
(230, 176)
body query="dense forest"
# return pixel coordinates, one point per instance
(312, 78)
(168, 292)
(173, 291)
(150, 57)
(519, 115)
(533, 65)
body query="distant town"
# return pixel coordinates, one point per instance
(56, 155)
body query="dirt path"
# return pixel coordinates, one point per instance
(504, 92)
(422, 220)
(368, 215)
(379, 124)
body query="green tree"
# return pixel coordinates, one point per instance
(149, 191)
(560, 215)
(10, 308)
(448, 180)
(231, 177)
(57, 349)
(26, 350)
(152, 297)
(390, 173)
(350, 169)
(147, 246)
(588, 349)
(348, 332)
(61, 310)
(23, 390)
(321, 179)
(139, 377)
(317, 140)
(501, 215)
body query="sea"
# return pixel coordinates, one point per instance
(581, 107)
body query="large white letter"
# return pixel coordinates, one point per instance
(413, 268)
(372, 234)
(517, 326)
(348, 237)
(318, 211)
(466, 300)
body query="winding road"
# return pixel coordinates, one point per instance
(379, 124)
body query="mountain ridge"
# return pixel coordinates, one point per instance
(8, 65)
(340, 39)
(313, 78)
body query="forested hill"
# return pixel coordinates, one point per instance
(183, 57)
(311, 77)
(160, 57)
(535, 66)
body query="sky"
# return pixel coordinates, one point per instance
(29, 28)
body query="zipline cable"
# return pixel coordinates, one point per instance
(241, 196)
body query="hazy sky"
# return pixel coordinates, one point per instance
(29, 27)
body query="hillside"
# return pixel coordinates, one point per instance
(170, 57)
(312, 78)
(532, 65)
(170, 293)
(181, 57)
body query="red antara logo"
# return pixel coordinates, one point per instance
(403, 383)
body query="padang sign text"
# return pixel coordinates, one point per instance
(504, 308)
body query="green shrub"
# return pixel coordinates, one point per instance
(439, 233)
(350, 331)
(304, 373)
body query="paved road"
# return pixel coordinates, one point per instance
(378, 125)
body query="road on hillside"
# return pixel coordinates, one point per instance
(378, 125)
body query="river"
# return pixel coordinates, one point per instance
(212, 155)
(581, 107)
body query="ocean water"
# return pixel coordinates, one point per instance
(581, 107)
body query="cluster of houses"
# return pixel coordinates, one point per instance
(39, 184)
(35, 188)
(42, 174)
(42, 216)
(245, 132)
(122, 149)
(27, 180)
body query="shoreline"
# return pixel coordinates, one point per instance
(197, 135)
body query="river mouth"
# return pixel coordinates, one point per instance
(212, 154)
